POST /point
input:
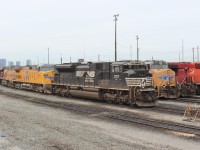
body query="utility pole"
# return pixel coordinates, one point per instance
(193, 53)
(131, 52)
(179, 57)
(197, 53)
(115, 19)
(70, 59)
(182, 51)
(60, 58)
(137, 38)
(84, 54)
(98, 57)
(37, 61)
(48, 56)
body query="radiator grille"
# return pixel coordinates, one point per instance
(140, 82)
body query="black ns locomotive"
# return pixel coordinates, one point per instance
(126, 82)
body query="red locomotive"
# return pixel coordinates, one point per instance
(194, 72)
(185, 77)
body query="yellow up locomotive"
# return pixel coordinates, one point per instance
(32, 77)
(164, 79)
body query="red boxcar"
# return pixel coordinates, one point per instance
(185, 77)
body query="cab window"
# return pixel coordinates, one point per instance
(117, 69)
(46, 68)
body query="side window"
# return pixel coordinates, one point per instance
(126, 67)
(117, 69)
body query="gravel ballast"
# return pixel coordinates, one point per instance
(29, 126)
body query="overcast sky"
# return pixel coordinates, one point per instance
(85, 28)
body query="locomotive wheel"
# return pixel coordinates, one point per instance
(69, 95)
(121, 102)
(132, 103)
(63, 94)
(116, 100)
(108, 100)
(150, 97)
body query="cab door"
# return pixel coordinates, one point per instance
(116, 76)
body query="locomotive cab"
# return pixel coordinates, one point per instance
(135, 77)
(123, 70)
(136, 70)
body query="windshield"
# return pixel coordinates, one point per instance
(46, 68)
(134, 67)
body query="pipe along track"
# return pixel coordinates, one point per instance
(110, 114)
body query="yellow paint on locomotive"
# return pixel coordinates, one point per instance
(9, 74)
(34, 76)
(164, 79)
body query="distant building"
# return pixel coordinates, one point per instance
(10, 63)
(28, 62)
(18, 63)
(2, 63)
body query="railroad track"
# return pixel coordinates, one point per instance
(168, 110)
(159, 124)
(111, 115)
(189, 100)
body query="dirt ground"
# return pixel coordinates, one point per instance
(28, 126)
